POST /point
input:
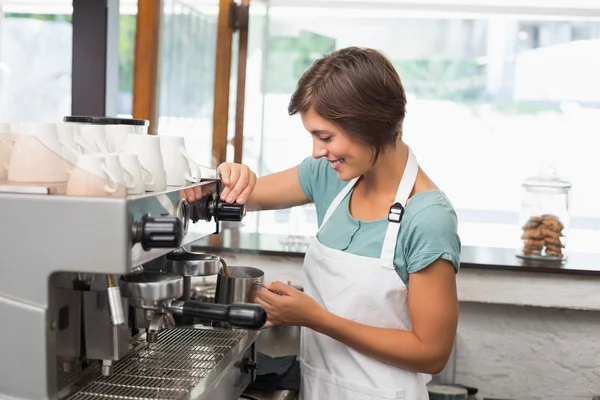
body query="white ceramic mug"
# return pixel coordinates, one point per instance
(140, 175)
(116, 136)
(92, 177)
(122, 178)
(181, 169)
(6, 146)
(147, 148)
(92, 139)
(140, 129)
(67, 132)
(37, 154)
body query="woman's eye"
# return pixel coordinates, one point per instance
(325, 139)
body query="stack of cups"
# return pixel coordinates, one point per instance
(95, 156)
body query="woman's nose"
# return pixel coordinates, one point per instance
(318, 149)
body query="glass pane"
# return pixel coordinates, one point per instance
(490, 101)
(35, 62)
(187, 69)
(127, 29)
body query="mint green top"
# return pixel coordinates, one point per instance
(428, 231)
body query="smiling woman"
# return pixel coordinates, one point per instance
(379, 310)
(356, 90)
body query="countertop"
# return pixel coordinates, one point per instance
(234, 241)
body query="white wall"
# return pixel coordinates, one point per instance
(515, 352)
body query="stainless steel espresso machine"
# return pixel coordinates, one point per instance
(90, 312)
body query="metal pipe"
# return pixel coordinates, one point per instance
(114, 301)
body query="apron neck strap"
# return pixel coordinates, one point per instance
(407, 183)
(336, 202)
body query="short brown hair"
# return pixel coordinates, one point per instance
(359, 91)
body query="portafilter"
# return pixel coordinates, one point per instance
(157, 293)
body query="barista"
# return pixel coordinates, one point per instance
(379, 311)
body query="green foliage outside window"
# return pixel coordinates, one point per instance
(289, 57)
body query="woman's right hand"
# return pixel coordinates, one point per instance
(238, 181)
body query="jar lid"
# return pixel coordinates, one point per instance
(548, 179)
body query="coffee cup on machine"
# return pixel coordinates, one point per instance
(241, 285)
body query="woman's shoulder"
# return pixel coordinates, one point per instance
(319, 181)
(430, 230)
(429, 202)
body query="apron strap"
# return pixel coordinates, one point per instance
(407, 183)
(336, 202)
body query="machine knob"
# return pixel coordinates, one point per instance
(228, 212)
(209, 207)
(158, 232)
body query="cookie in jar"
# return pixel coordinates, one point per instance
(543, 236)
(544, 216)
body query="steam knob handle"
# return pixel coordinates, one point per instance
(229, 212)
(159, 232)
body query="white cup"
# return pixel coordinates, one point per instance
(67, 132)
(92, 177)
(181, 169)
(92, 139)
(122, 178)
(141, 176)
(140, 129)
(37, 154)
(116, 136)
(147, 148)
(6, 146)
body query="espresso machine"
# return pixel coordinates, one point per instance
(91, 312)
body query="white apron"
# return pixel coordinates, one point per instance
(366, 290)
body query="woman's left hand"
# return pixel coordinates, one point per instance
(291, 307)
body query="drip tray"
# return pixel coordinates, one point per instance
(168, 369)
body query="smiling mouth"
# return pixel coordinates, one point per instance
(337, 163)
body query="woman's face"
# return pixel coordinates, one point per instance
(348, 158)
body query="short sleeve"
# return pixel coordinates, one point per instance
(307, 172)
(319, 182)
(433, 234)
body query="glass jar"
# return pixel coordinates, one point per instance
(544, 217)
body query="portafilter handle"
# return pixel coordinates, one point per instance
(242, 315)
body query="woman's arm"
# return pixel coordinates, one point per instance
(277, 191)
(271, 192)
(433, 307)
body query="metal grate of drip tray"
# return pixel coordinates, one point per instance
(66, 378)
(166, 370)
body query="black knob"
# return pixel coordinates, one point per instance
(158, 232)
(209, 207)
(228, 212)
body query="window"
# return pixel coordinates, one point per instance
(492, 98)
(187, 72)
(35, 62)
(36, 40)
